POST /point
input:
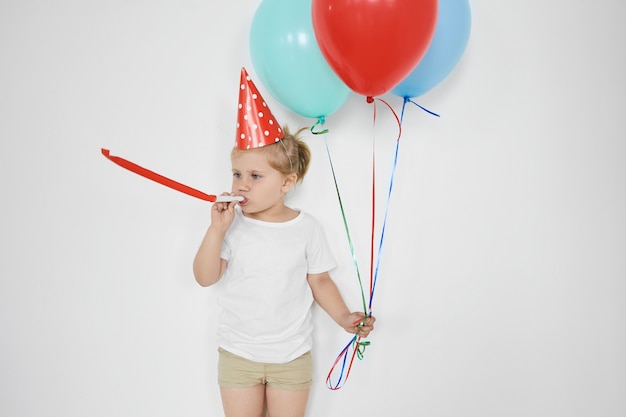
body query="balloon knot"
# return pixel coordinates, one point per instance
(370, 99)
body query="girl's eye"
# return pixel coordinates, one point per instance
(256, 176)
(236, 175)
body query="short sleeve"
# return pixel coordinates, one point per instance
(318, 254)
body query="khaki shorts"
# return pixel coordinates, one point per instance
(236, 372)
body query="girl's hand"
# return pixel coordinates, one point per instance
(223, 214)
(358, 324)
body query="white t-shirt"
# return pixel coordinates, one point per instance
(266, 303)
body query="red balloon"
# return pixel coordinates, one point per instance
(372, 45)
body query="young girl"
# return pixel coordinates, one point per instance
(275, 262)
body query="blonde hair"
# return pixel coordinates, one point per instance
(291, 155)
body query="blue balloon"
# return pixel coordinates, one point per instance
(288, 61)
(448, 44)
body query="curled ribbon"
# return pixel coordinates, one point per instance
(320, 121)
(354, 348)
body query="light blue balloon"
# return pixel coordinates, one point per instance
(449, 41)
(288, 61)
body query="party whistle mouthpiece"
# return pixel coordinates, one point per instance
(227, 198)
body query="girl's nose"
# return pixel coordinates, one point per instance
(243, 186)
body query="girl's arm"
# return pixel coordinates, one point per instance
(327, 295)
(208, 266)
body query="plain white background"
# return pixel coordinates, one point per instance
(502, 286)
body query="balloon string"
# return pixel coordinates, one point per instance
(389, 192)
(384, 225)
(373, 221)
(356, 347)
(374, 271)
(347, 229)
(151, 175)
(320, 121)
(391, 181)
(373, 100)
(408, 100)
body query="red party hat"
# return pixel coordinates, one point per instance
(256, 125)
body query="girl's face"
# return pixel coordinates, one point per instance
(262, 186)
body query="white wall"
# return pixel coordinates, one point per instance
(503, 279)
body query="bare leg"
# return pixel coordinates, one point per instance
(244, 402)
(281, 403)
